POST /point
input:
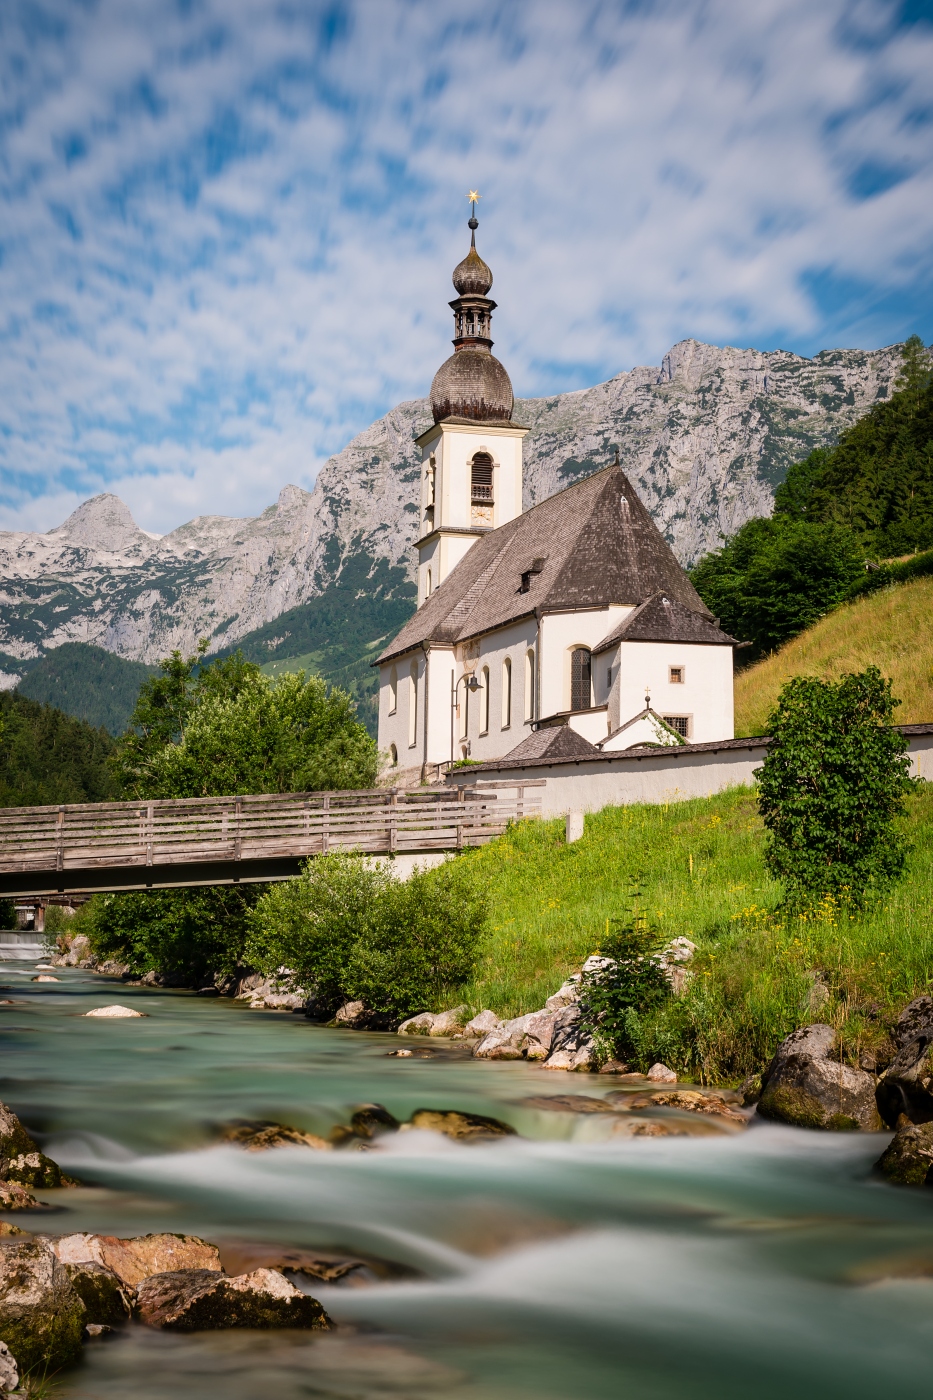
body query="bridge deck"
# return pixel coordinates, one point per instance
(228, 840)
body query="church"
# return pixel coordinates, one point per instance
(563, 630)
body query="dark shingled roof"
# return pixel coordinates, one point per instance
(663, 619)
(557, 741)
(598, 545)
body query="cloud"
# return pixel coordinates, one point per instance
(228, 228)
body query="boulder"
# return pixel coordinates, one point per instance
(113, 1013)
(16, 1197)
(110, 967)
(807, 1086)
(133, 1260)
(482, 1024)
(107, 1301)
(195, 1300)
(505, 1041)
(905, 1086)
(566, 995)
(673, 960)
(20, 1159)
(41, 1315)
(372, 1120)
(569, 1103)
(9, 1371)
(571, 1047)
(908, 1158)
(462, 1127)
(261, 1137)
(693, 1101)
(661, 1074)
(448, 1023)
(352, 1013)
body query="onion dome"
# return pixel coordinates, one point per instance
(472, 384)
(472, 277)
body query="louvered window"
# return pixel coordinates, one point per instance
(581, 665)
(481, 478)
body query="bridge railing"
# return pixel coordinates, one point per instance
(211, 829)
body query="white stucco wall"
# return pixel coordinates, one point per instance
(560, 633)
(705, 694)
(395, 727)
(490, 651)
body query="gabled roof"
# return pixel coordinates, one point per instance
(596, 545)
(557, 741)
(664, 619)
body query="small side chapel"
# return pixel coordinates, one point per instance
(564, 630)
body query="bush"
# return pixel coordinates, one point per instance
(186, 935)
(615, 998)
(351, 931)
(832, 784)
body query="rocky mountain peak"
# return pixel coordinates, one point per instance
(104, 522)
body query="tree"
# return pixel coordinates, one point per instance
(831, 787)
(217, 729)
(777, 576)
(47, 757)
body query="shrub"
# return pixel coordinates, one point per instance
(186, 935)
(351, 931)
(616, 997)
(832, 784)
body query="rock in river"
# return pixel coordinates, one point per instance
(261, 1137)
(462, 1127)
(194, 1300)
(107, 1301)
(41, 1315)
(9, 1371)
(807, 1084)
(133, 1260)
(114, 1013)
(20, 1159)
(908, 1159)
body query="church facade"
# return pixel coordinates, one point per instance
(565, 629)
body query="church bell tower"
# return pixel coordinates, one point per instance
(471, 459)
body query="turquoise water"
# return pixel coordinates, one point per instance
(562, 1265)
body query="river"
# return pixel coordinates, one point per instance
(562, 1265)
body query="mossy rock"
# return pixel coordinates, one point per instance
(41, 1316)
(908, 1158)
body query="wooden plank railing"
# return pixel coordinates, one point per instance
(122, 835)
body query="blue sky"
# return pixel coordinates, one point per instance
(227, 226)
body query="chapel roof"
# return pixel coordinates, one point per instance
(661, 618)
(589, 546)
(556, 741)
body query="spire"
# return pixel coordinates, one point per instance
(472, 277)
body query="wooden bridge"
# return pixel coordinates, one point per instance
(232, 840)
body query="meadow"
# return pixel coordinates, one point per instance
(696, 869)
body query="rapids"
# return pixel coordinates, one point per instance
(561, 1265)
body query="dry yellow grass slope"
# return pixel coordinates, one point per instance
(892, 630)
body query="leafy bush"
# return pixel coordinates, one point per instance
(351, 931)
(832, 784)
(186, 935)
(615, 998)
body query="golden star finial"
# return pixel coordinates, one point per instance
(473, 196)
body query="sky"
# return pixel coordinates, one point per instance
(227, 227)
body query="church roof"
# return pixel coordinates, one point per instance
(589, 546)
(557, 741)
(663, 619)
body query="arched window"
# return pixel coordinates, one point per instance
(529, 684)
(413, 705)
(484, 702)
(427, 585)
(581, 689)
(393, 755)
(393, 690)
(481, 478)
(507, 692)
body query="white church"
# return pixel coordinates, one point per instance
(564, 630)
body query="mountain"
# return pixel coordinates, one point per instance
(705, 437)
(87, 682)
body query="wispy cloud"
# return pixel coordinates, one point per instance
(227, 228)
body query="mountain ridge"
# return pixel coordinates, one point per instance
(705, 438)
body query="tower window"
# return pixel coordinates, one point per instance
(581, 669)
(481, 478)
(427, 586)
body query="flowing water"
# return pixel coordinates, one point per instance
(561, 1265)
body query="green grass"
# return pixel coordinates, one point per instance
(700, 867)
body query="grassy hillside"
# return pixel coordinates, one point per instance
(87, 682)
(700, 867)
(890, 629)
(47, 757)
